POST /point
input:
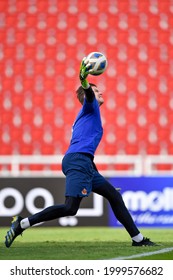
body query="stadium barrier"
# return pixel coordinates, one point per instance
(108, 165)
(30, 183)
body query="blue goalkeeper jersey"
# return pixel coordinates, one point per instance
(87, 129)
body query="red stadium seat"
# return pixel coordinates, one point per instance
(41, 46)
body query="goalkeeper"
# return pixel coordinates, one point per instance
(82, 176)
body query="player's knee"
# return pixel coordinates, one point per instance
(71, 211)
(115, 196)
(111, 192)
(118, 195)
(72, 206)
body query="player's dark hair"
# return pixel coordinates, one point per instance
(80, 92)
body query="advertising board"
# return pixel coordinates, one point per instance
(149, 200)
(26, 196)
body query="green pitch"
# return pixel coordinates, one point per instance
(84, 243)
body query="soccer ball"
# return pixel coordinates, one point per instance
(98, 63)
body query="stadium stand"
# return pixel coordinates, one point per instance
(41, 45)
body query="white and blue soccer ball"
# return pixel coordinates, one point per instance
(98, 63)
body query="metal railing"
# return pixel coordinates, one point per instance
(108, 165)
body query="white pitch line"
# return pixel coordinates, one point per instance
(145, 254)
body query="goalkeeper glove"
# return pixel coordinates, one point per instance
(84, 71)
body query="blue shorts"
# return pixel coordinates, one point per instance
(81, 175)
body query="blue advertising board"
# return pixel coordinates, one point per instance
(149, 200)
